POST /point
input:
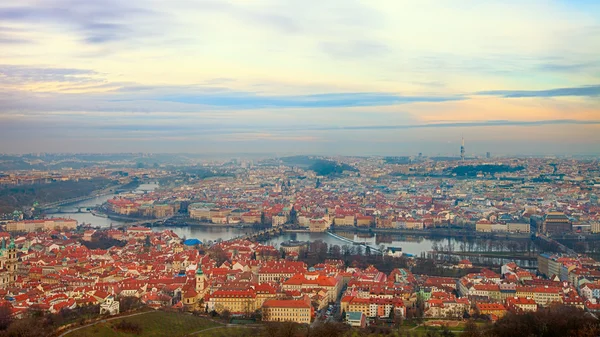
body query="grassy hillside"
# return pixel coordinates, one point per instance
(152, 324)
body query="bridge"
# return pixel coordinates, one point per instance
(59, 210)
(50, 206)
(255, 235)
(364, 244)
(144, 222)
(563, 248)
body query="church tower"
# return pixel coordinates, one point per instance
(200, 280)
(11, 262)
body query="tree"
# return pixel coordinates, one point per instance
(329, 329)
(368, 250)
(558, 320)
(26, 327)
(128, 303)
(446, 332)
(218, 254)
(281, 329)
(5, 316)
(226, 315)
(471, 330)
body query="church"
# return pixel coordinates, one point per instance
(8, 264)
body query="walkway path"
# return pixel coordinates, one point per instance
(221, 327)
(102, 321)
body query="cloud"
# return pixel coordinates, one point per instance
(354, 49)
(264, 17)
(255, 101)
(16, 74)
(567, 67)
(96, 21)
(589, 91)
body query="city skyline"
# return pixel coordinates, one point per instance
(385, 78)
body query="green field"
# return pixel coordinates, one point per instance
(230, 332)
(152, 324)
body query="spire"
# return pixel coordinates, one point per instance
(12, 244)
(199, 270)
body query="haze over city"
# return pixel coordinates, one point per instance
(335, 77)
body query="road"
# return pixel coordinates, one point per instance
(102, 321)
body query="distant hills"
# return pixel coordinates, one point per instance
(320, 166)
(474, 170)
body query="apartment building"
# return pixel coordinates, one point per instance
(298, 311)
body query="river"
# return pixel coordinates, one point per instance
(89, 218)
(410, 244)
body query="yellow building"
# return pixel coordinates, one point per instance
(44, 224)
(299, 311)
(483, 226)
(518, 227)
(491, 309)
(234, 301)
(360, 305)
(347, 220)
(318, 225)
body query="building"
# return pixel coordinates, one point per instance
(496, 309)
(341, 221)
(298, 311)
(234, 301)
(109, 307)
(515, 227)
(356, 319)
(595, 227)
(294, 246)
(318, 225)
(8, 264)
(556, 223)
(550, 264)
(331, 285)
(483, 226)
(364, 220)
(521, 304)
(394, 251)
(462, 150)
(122, 206)
(278, 220)
(41, 225)
(199, 211)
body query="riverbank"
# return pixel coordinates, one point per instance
(435, 232)
(494, 254)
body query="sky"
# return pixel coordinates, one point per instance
(337, 77)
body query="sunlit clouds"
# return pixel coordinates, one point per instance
(349, 77)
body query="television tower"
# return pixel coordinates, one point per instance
(462, 150)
